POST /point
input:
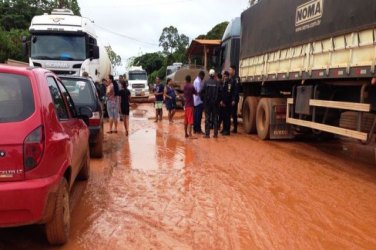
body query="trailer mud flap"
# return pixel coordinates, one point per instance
(279, 129)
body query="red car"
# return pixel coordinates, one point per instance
(43, 148)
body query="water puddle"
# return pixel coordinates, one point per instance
(151, 150)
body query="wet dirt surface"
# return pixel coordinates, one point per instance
(157, 190)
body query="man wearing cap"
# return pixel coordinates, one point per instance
(211, 98)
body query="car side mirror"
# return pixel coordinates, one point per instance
(85, 113)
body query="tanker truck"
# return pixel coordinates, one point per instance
(67, 45)
(309, 66)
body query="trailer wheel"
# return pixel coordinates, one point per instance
(263, 119)
(249, 114)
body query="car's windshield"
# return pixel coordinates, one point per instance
(16, 98)
(58, 47)
(137, 76)
(80, 90)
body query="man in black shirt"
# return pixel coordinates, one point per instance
(226, 104)
(210, 95)
(235, 97)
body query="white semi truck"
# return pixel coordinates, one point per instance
(138, 82)
(67, 45)
(307, 66)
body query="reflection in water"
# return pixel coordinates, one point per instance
(150, 149)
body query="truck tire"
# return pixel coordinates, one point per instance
(97, 150)
(249, 114)
(57, 230)
(263, 119)
(84, 173)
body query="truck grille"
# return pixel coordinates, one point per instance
(138, 86)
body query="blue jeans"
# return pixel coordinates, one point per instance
(197, 117)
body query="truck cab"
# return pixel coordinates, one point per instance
(228, 53)
(138, 82)
(62, 42)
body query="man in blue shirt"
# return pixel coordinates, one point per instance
(198, 109)
(158, 92)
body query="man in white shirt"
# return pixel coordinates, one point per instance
(198, 103)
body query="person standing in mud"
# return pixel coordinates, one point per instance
(197, 116)
(170, 99)
(158, 92)
(112, 106)
(124, 105)
(189, 91)
(220, 110)
(226, 104)
(211, 97)
(235, 98)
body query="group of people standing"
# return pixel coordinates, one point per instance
(167, 95)
(218, 97)
(117, 97)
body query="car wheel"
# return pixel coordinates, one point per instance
(85, 169)
(57, 230)
(97, 150)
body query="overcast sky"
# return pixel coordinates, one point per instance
(133, 27)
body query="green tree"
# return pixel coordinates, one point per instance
(114, 58)
(15, 19)
(252, 2)
(11, 44)
(150, 61)
(216, 33)
(68, 4)
(170, 40)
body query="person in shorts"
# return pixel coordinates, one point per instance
(112, 106)
(124, 105)
(170, 99)
(189, 92)
(158, 92)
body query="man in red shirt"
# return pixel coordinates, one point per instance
(189, 91)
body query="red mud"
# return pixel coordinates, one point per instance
(157, 190)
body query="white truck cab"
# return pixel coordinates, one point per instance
(138, 82)
(63, 43)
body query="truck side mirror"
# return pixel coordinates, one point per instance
(95, 52)
(25, 46)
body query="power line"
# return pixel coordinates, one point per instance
(127, 37)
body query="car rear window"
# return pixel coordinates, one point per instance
(80, 90)
(16, 98)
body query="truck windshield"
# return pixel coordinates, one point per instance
(137, 76)
(58, 47)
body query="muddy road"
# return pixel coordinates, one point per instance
(157, 190)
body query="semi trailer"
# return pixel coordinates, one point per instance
(309, 67)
